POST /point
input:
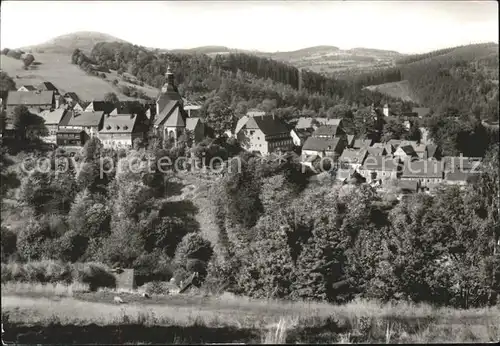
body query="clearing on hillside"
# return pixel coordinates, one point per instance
(57, 68)
(400, 90)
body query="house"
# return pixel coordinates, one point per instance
(299, 136)
(432, 151)
(89, 122)
(52, 119)
(380, 168)
(421, 112)
(192, 107)
(460, 178)
(308, 122)
(255, 113)
(405, 152)
(27, 88)
(376, 151)
(426, 172)
(70, 137)
(323, 147)
(196, 127)
(170, 120)
(120, 130)
(407, 186)
(417, 147)
(461, 163)
(77, 107)
(328, 131)
(100, 106)
(395, 143)
(353, 158)
(264, 134)
(37, 101)
(362, 143)
(47, 86)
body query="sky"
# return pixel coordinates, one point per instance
(403, 26)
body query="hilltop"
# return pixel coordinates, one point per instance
(57, 68)
(464, 78)
(66, 44)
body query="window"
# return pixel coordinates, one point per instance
(258, 138)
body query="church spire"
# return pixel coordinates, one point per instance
(169, 82)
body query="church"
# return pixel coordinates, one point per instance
(172, 120)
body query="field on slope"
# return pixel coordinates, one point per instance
(57, 68)
(395, 89)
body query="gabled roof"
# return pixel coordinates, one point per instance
(376, 151)
(407, 185)
(454, 163)
(119, 123)
(419, 148)
(53, 117)
(395, 143)
(353, 155)
(421, 111)
(380, 163)
(69, 131)
(326, 130)
(431, 150)
(66, 118)
(165, 112)
(407, 149)
(461, 176)
(29, 87)
(303, 133)
(320, 144)
(92, 119)
(350, 139)
(267, 124)
(48, 86)
(101, 106)
(191, 123)
(176, 119)
(72, 95)
(422, 169)
(30, 98)
(255, 113)
(241, 122)
(306, 122)
(362, 143)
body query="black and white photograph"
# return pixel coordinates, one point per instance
(249, 172)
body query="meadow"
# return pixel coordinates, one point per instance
(71, 314)
(395, 89)
(57, 68)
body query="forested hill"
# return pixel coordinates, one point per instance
(242, 80)
(454, 80)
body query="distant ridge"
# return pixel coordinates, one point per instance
(66, 44)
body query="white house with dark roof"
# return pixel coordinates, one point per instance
(120, 130)
(264, 134)
(88, 122)
(380, 168)
(322, 147)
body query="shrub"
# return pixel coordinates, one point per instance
(93, 274)
(157, 287)
(8, 240)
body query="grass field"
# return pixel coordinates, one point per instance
(396, 89)
(57, 68)
(36, 313)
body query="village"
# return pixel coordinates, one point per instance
(410, 166)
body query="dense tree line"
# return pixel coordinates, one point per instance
(242, 80)
(280, 239)
(463, 79)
